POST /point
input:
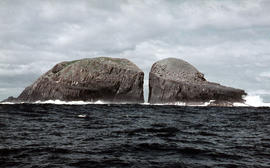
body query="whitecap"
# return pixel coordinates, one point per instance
(250, 101)
(8, 103)
(255, 101)
(59, 102)
(82, 116)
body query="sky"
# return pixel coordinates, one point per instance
(227, 40)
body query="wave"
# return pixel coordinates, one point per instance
(250, 101)
(59, 102)
(255, 101)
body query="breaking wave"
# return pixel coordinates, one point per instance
(255, 101)
(69, 102)
(59, 102)
(250, 101)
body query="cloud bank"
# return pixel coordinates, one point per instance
(227, 40)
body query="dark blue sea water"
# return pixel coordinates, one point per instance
(36, 135)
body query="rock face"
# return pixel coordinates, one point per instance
(174, 80)
(93, 79)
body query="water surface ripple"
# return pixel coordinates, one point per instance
(44, 135)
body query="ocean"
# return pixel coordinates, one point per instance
(133, 136)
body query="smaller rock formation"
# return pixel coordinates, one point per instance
(10, 99)
(173, 80)
(93, 79)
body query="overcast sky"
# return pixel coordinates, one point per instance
(227, 40)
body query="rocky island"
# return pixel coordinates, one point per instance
(118, 80)
(173, 80)
(91, 79)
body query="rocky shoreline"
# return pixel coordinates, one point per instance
(118, 80)
(93, 79)
(174, 80)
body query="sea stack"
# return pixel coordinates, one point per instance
(91, 79)
(174, 80)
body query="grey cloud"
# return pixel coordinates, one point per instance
(226, 40)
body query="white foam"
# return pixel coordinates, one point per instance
(240, 105)
(250, 100)
(8, 103)
(82, 116)
(255, 101)
(207, 103)
(183, 104)
(68, 102)
(167, 104)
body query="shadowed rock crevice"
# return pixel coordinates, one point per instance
(93, 79)
(174, 80)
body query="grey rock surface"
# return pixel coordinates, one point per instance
(92, 79)
(174, 80)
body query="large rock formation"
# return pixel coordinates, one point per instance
(93, 79)
(174, 80)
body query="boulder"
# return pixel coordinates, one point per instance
(91, 79)
(174, 80)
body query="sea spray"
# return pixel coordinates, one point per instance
(69, 102)
(250, 101)
(255, 101)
